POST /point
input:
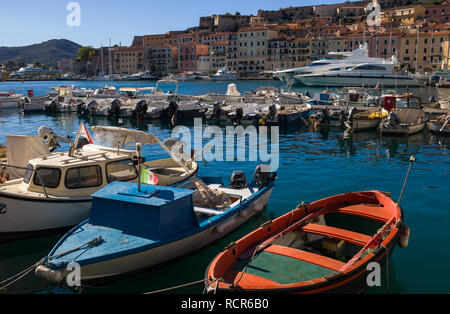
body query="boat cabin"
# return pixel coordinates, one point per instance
(89, 169)
(407, 100)
(166, 211)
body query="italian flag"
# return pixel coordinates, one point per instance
(148, 177)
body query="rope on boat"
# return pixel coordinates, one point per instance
(19, 275)
(186, 285)
(89, 244)
(387, 266)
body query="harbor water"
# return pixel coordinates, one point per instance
(312, 165)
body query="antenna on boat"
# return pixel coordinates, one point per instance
(139, 154)
(412, 159)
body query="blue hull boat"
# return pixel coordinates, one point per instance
(133, 228)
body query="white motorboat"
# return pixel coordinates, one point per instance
(364, 74)
(106, 92)
(355, 69)
(55, 191)
(9, 100)
(34, 104)
(223, 75)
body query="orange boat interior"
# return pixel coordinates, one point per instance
(307, 245)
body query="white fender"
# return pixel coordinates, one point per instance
(403, 239)
(225, 225)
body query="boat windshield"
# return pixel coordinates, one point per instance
(28, 173)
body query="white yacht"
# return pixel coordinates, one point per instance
(223, 75)
(355, 69)
(364, 74)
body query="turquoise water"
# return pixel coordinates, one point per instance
(313, 165)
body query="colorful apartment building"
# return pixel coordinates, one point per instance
(403, 15)
(128, 60)
(252, 45)
(300, 51)
(438, 13)
(424, 52)
(188, 55)
(162, 60)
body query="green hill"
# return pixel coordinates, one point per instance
(48, 52)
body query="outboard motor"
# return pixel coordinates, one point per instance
(81, 107)
(272, 112)
(432, 99)
(52, 139)
(52, 106)
(91, 108)
(325, 118)
(392, 120)
(263, 176)
(113, 109)
(140, 109)
(172, 111)
(217, 110)
(238, 180)
(239, 114)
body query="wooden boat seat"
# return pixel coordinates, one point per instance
(246, 279)
(341, 234)
(305, 256)
(367, 211)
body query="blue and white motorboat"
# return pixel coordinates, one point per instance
(324, 98)
(134, 227)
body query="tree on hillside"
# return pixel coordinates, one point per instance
(37, 64)
(11, 66)
(85, 53)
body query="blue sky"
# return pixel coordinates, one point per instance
(25, 22)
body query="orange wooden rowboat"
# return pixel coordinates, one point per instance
(322, 247)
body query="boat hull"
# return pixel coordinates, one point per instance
(402, 130)
(367, 81)
(351, 283)
(268, 247)
(26, 215)
(364, 124)
(9, 104)
(132, 263)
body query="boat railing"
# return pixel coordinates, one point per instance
(5, 166)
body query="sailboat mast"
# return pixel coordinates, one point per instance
(103, 69)
(417, 47)
(110, 58)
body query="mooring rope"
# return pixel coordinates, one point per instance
(184, 285)
(387, 266)
(19, 275)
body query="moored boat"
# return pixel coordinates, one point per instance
(406, 115)
(55, 191)
(440, 125)
(9, 100)
(159, 224)
(322, 247)
(365, 120)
